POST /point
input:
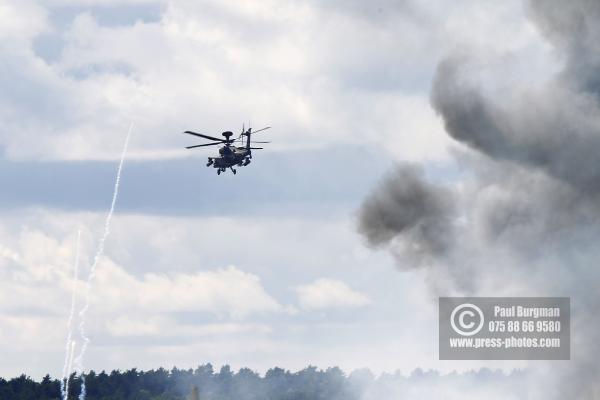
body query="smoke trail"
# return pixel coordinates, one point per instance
(70, 344)
(70, 368)
(92, 274)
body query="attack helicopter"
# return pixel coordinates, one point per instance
(230, 155)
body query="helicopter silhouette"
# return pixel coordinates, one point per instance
(230, 155)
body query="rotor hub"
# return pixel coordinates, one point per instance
(227, 135)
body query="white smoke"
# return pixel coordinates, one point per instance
(85, 340)
(70, 343)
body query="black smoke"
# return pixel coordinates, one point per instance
(526, 221)
(405, 206)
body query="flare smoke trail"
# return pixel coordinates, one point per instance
(70, 344)
(99, 252)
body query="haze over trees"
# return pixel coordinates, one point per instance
(245, 384)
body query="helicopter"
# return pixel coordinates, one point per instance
(230, 155)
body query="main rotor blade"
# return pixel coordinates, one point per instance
(257, 148)
(202, 145)
(256, 141)
(203, 136)
(268, 127)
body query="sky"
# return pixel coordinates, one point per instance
(265, 268)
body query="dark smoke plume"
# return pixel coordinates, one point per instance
(554, 128)
(527, 221)
(406, 206)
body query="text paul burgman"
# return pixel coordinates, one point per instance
(526, 312)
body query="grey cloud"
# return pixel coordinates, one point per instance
(378, 11)
(89, 70)
(111, 15)
(293, 181)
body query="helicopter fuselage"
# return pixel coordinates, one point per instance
(230, 156)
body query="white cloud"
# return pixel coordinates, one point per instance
(302, 67)
(36, 266)
(223, 292)
(329, 293)
(165, 327)
(20, 21)
(162, 299)
(37, 257)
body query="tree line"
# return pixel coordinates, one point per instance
(178, 384)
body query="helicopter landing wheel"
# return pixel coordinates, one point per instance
(219, 171)
(234, 171)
